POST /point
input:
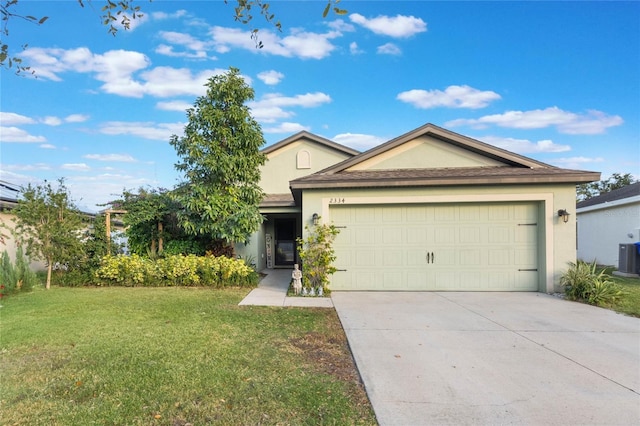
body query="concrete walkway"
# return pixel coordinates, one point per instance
(492, 358)
(272, 291)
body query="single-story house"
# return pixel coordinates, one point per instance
(606, 221)
(428, 210)
(8, 201)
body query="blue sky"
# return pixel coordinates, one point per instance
(555, 81)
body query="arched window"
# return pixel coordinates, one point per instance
(303, 160)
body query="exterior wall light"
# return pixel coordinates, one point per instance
(316, 219)
(564, 215)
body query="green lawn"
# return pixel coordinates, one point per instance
(630, 302)
(172, 356)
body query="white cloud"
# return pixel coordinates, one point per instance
(269, 114)
(15, 134)
(195, 49)
(451, 97)
(341, 25)
(300, 44)
(76, 118)
(76, 167)
(166, 50)
(523, 146)
(174, 106)
(11, 118)
(389, 49)
(114, 67)
(576, 162)
(358, 141)
(592, 122)
(26, 167)
(354, 49)
(308, 100)
(271, 77)
(271, 107)
(286, 128)
(125, 158)
(52, 121)
(161, 16)
(146, 130)
(398, 26)
(47, 146)
(167, 81)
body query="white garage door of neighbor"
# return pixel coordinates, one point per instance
(444, 247)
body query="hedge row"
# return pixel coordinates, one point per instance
(175, 270)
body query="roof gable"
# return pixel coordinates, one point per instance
(433, 156)
(315, 139)
(297, 156)
(438, 148)
(425, 152)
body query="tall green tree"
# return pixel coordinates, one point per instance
(49, 225)
(220, 158)
(585, 191)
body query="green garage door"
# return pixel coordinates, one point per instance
(444, 247)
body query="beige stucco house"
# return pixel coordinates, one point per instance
(428, 210)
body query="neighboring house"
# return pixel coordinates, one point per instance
(8, 202)
(606, 221)
(429, 210)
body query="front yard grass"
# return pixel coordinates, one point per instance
(630, 302)
(172, 356)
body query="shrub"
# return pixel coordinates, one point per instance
(16, 276)
(175, 270)
(583, 282)
(317, 256)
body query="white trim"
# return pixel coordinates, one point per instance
(606, 205)
(545, 197)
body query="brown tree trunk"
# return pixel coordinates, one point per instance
(49, 268)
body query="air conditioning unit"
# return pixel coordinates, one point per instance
(628, 259)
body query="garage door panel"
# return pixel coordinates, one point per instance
(469, 258)
(393, 235)
(365, 258)
(499, 235)
(416, 235)
(392, 280)
(392, 257)
(478, 247)
(526, 257)
(500, 257)
(470, 235)
(445, 235)
(392, 214)
(525, 234)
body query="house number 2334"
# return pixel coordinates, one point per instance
(336, 200)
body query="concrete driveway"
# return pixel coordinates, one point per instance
(492, 358)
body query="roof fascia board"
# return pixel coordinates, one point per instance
(501, 180)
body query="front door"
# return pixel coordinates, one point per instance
(285, 244)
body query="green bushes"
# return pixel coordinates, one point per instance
(583, 282)
(16, 276)
(176, 270)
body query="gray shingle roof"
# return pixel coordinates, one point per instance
(278, 200)
(628, 191)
